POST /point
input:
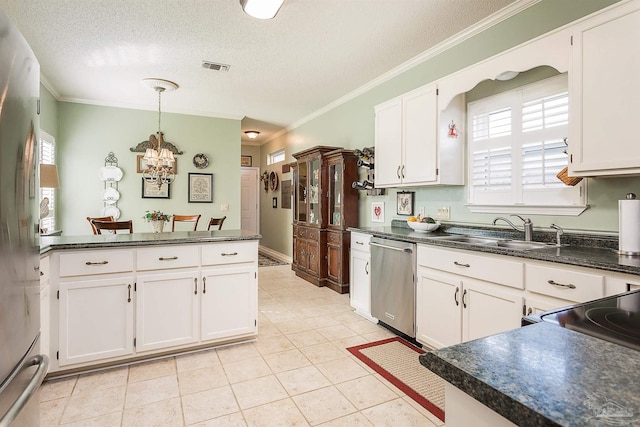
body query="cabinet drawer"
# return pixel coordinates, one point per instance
(170, 256)
(95, 262)
(360, 242)
(491, 268)
(230, 253)
(313, 234)
(565, 283)
(334, 238)
(302, 232)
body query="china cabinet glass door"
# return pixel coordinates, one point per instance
(301, 193)
(314, 188)
(335, 184)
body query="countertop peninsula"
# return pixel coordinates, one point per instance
(50, 243)
(585, 250)
(542, 375)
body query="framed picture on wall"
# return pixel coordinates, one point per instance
(200, 188)
(153, 191)
(405, 203)
(377, 212)
(246, 161)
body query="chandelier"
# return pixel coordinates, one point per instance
(159, 159)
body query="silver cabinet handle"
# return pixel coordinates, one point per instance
(570, 286)
(366, 268)
(42, 362)
(128, 293)
(195, 286)
(530, 311)
(460, 264)
(455, 296)
(167, 258)
(229, 254)
(398, 172)
(464, 296)
(204, 285)
(97, 263)
(407, 250)
(402, 173)
(359, 243)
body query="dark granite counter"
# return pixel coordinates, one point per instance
(142, 239)
(595, 251)
(545, 375)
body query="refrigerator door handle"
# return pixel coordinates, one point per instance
(42, 362)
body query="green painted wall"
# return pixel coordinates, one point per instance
(48, 112)
(351, 125)
(87, 133)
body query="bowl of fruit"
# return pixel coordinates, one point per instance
(422, 224)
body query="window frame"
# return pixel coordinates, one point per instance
(48, 157)
(276, 156)
(567, 200)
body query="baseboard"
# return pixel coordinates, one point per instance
(274, 254)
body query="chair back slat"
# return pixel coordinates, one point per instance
(185, 218)
(216, 221)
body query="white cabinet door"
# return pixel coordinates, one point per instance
(438, 308)
(360, 287)
(420, 136)
(229, 302)
(167, 311)
(96, 319)
(604, 85)
(489, 309)
(388, 143)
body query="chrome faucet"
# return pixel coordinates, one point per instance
(559, 232)
(527, 226)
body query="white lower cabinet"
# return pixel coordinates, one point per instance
(360, 279)
(228, 303)
(95, 319)
(172, 298)
(167, 310)
(451, 309)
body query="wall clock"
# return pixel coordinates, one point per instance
(200, 161)
(273, 181)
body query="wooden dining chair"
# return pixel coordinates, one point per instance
(113, 226)
(98, 218)
(216, 221)
(185, 218)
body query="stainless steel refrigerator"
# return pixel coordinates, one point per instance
(22, 367)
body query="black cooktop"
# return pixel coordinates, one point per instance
(615, 319)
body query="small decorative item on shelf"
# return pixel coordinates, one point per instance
(366, 160)
(453, 131)
(157, 220)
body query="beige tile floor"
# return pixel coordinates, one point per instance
(297, 373)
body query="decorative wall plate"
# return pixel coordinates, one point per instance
(111, 211)
(273, 181)
(110, 173)
(200, 161)
(110, 195)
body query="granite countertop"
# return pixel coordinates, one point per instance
(50, 243)
(542, 374)
(584, 250)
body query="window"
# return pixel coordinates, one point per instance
(275, 157)
(48, 156)
(517, 142)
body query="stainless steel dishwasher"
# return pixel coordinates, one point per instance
(393, 286)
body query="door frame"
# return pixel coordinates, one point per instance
(257, 187)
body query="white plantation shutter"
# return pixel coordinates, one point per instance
(517, 146)
(48, 156)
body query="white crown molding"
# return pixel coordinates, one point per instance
(479, 27)
(45, 82)
(151, 108)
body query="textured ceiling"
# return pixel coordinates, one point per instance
(312, 53)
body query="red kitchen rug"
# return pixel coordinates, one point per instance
(397, 361)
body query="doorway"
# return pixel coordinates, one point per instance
(250, 196)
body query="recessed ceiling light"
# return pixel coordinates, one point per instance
(261, 9)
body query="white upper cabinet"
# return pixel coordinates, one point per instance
(407, 135)
(605, 93)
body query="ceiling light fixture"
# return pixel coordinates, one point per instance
(159, 159)
(252, 134)
(261, 9)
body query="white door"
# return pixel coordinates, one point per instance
(167, 310)
(96, 320)
(229, 302)
(249, 195)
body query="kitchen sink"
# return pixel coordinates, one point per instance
(520, 245)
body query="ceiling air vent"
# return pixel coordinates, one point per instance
(215, 66)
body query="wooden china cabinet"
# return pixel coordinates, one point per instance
(325, 205)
